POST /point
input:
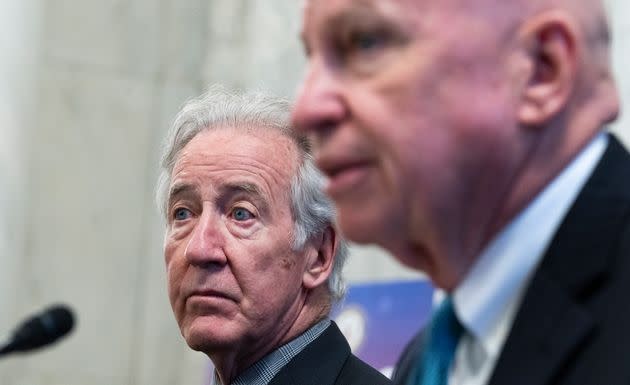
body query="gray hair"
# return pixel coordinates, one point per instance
(312, 210)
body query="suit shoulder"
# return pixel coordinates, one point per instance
(407, 359)
(357, 372)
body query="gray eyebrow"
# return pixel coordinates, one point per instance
(250, 188)
(180, 189)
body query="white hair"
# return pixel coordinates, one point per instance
(312, 210)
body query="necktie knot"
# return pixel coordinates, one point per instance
(442, 337)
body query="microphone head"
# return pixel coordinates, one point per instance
(43, 329)
(58, 320)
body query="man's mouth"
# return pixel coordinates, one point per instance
(209, 294)
(343, 176)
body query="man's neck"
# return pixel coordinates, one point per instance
(263, 370)
(229, 364)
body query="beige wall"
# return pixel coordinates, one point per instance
(19, 33)
(92, 86)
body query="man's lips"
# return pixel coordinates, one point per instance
(210, 294)
(343, 174)
(332, 166)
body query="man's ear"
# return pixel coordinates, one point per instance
(551, 43)
(320, 259)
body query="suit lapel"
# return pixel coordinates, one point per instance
(548, 328)
(553, 323)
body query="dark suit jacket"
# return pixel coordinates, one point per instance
(572, 327)
(328, 361)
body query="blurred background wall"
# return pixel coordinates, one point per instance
(87, 91)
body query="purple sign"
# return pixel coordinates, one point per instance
(379, 319)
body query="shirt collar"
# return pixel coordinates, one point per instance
(486, 301)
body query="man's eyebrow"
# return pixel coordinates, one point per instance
(251, 191)
(179, 189)
(244, 187)
(354, 13)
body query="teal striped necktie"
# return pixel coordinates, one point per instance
(442, 336)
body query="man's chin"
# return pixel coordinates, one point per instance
(209, 338)
(364, 226)
(210, 344)
(383, 233)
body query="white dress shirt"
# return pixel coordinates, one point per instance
(488, 298)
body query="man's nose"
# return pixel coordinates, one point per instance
(319, 105)
(207, 242)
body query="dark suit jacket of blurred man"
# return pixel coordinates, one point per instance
(572, 326)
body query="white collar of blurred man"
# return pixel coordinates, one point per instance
(252, 257)
(437, 122)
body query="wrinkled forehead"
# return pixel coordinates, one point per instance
(266, 146)
(267, 159)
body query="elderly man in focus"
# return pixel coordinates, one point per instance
(468, 138)
(253, 259)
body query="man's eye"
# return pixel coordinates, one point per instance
(366, 41)
(241, 214)
(181, 214)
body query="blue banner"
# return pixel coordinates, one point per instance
(378, 319)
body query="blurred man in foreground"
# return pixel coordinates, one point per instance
(467, 138)
(253, 259)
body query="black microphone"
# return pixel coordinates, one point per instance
(40, 330)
